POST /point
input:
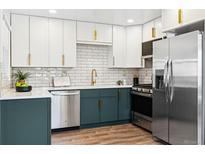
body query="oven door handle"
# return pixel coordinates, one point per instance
(141, 94)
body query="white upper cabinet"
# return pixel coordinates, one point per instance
(91, 33)
(69, 43)
(175, 18)
(104, 33)
(62, 43)
(55, 43)
(147, 31)
(20, 41)
(39, 42)
(158, 28)
(152, 30)
(127, 47)
(119, 46)
(43, 42)
(85, 31)
(169, 19)
(134, 46)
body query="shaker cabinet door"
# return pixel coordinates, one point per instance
(39, 42)
(55, 43)
(85, 31)
(124, 104)
(20, 41)
(104, 33)
(134, 46)
(69, 43)
(119, 46)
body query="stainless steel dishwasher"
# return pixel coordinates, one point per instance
(65, 109)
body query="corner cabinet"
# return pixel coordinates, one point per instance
(176, 18)
(25, 122)
(92, 33)
(127, 47)
(134, 47)
(104, 106)
(42, 42)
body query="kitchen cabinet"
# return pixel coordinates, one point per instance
(124, 104)
(133, 46)
(152, 30)
(92, 33)
(127, 47)
(69, 43)
(55, 43)
(20, 41)
(147, 31)
(104, 33)
(25, 122)
(45, 42)
(39, 42)
(119, 46)
(108, 105)
(89, 106)
(101, 106)
(158, 28)
(175, 18)
(62, 43)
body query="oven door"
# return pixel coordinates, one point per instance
(142, 104)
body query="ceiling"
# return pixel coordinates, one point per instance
(109, 16)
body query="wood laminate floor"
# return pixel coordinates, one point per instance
(126, 134)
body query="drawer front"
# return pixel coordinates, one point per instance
(108, 92)
(90, 93)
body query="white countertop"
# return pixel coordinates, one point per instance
(8, 94)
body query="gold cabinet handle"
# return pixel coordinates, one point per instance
(95, 35)
(180, 14)
(63, 59)
(153, 32)
(99, 104)
(29, 59)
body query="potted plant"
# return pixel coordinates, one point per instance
(21, 85)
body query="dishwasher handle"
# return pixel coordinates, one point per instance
(64, 93)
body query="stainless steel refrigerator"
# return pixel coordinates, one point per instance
(177, 89)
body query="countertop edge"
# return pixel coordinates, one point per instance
(43, 92)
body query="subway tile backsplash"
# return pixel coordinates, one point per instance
(88, 57)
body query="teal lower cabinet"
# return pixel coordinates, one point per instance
(109, 105)
(25, 121)
(124, 104)
(104, 106)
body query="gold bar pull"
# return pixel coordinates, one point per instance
(95, 34)
(29, 59)
(180, 14)
(99, 104)
(153, 32)
(63, 59)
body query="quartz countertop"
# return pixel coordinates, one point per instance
(43, 92)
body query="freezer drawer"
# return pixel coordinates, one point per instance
(65, 109)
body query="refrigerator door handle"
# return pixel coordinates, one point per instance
(170, 81)
(165, 80)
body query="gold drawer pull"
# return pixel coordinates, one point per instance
(95, 35)
(153, 32)
(29, 59)
(63, 59)
(180, 16)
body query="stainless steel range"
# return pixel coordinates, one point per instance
(141, 98)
